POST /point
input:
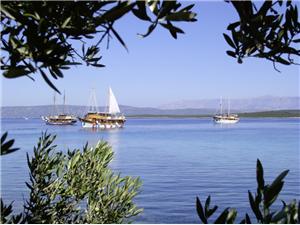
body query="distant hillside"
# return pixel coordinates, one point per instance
(264, 103)
(278, 113)
(38, 111)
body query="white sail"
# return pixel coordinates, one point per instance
(113, 106)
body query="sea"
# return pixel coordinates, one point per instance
(176, 159)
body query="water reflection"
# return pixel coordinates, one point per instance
(114, 138)
(177, 159)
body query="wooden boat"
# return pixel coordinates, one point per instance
(104, 120)
(60, 119)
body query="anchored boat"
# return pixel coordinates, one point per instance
(60, 119)
(226, 118)
(104, 120)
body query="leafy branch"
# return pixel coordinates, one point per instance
(270, 32)
(76, 187)
(6, 146)
(260, 204)
(39, 37)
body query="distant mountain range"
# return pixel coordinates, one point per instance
(38, 111)
(264, 103)
(195, 107)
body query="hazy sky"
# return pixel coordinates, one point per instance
(159, 69)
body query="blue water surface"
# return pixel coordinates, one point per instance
(177, 160)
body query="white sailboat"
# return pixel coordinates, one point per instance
(225, 118)
(110, 119)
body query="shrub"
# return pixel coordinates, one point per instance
(76, 187)
(260, 204)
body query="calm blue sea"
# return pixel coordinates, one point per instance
(177, 160)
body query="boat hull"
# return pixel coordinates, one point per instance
(56, 120)
(225, 121)
(102, 123)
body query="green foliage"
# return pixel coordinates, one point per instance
(39, 36)
(260, 204)
(76, 187)
(6, 214)
(6, 147)
(270, 32)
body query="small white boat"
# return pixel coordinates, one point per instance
(226, 118)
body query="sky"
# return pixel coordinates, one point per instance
(159, 69)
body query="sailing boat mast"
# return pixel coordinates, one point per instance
(228, 106)
(64, 101)
(92, 102)
(221, 106)
(54, 101)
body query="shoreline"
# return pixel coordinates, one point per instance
(177, 117)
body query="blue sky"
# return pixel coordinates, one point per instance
(159, 69)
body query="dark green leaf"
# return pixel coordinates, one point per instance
(296, 40)
(212, 211)
(271, 193)
(246, 220)
(3, 137)
(222, 218)
(260, 175)
(231, 216)
(150, 29)
(231, 53)
(254, 207)
(141, 12)
(200, 211)
(16, 72)
(182, 16)
(206, 207)
(97, 65)
(188, 8)
(119, 38)
(282, 61)
(48, 81)
(280, 177)
(232, 26)
(166, 8)
(7, 144)
(229, 41)
(57, 72)
(278, 216)
(172, 29)
(116, 12)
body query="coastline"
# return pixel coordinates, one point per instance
(287, 113)
(176, 117)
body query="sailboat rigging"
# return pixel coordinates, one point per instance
(60, 119)
(225, 118)
(111, 118)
